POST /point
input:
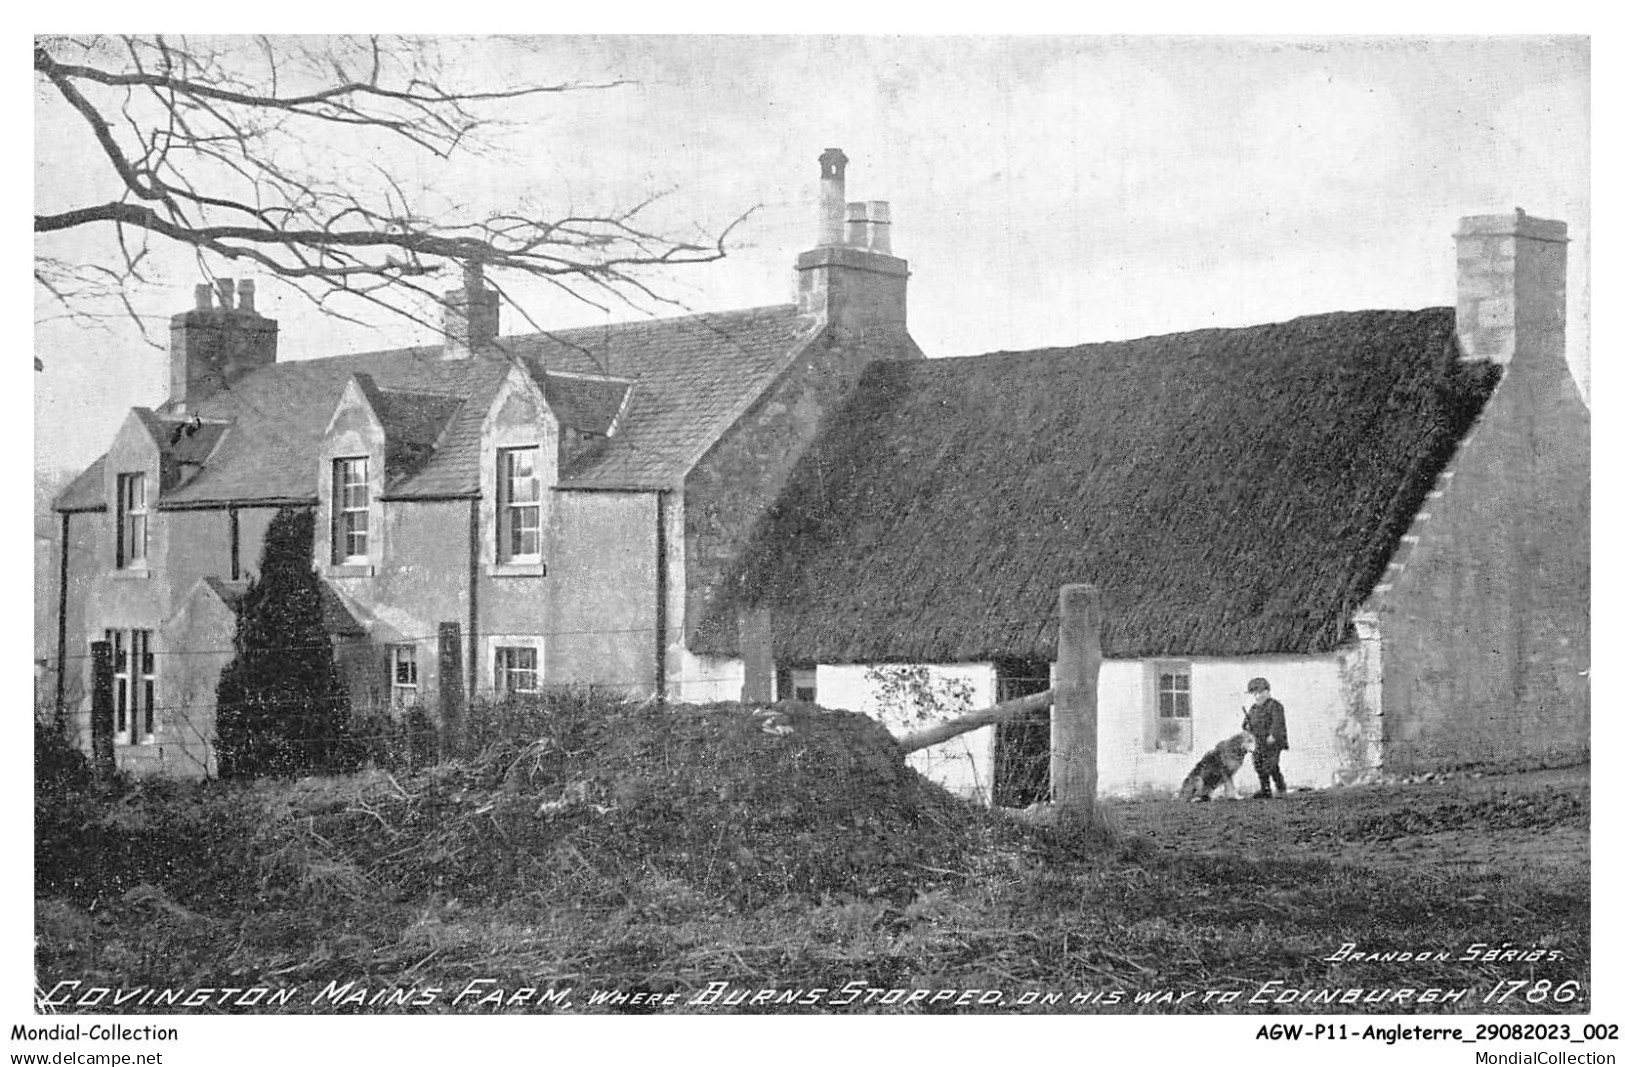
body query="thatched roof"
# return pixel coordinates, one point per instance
(1231, 492)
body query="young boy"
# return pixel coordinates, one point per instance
(1265, 719)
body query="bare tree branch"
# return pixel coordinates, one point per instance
(209, 144)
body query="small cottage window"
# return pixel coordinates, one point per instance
(517, 669)
(132, 520)
(351, 501)
(403, 676)
(1173, 707)
(519, 506)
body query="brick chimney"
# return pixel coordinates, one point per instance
(215, 343)
(851, 279)
(1511, 290)
(471, 315)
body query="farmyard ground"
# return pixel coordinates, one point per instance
(697, 862)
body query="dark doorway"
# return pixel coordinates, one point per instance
(798, 683)
(1021, 747)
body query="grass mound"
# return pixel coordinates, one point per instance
(731, 801)
(593, 846)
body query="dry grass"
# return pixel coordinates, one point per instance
(697, 848)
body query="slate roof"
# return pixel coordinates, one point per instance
(692, 377)
(86, 492)
(588, 404)
(682, 380)
(187, 442)
(229, 592)
(413, 423)
(337, 618)
(1231, 492)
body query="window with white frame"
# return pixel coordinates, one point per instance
(132, 519)
(135, 683)
(351, 500)
(121, 683)
(516, 669)
(1173, 707)
(147, 678)
(403, 676)
(519, 506)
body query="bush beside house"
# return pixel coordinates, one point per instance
(283, 707)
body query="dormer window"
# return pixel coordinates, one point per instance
(351, 500)
(519, 506)
(132, 520)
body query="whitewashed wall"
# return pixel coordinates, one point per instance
(703, 679)
(962, 765)
(1326, 698)
(1332, 704)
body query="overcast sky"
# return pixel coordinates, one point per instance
(1045, 190)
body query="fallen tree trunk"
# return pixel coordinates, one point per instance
(1010, 709)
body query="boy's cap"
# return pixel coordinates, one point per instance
(1258, 685)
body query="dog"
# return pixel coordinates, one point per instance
(1218, 768)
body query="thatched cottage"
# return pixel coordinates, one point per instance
(1385, 513)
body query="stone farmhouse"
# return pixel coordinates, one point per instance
(1385, 512)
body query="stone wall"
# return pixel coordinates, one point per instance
(603, 589)
(1487, 622)
(1487, 631)
(731, 488)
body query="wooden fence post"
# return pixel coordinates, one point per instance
(451, 685)
(1073, 722)
(101, 709)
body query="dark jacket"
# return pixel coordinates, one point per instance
(1267, 719)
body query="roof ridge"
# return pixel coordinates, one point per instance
(654, 320)
(1172, 334)
(420, 392)
(561, 332)
(584, 375)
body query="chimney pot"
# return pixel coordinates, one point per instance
(880, 226)
(857, 224)
(209, 350)
(851, 280)
(831, 196)
(245, 296)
